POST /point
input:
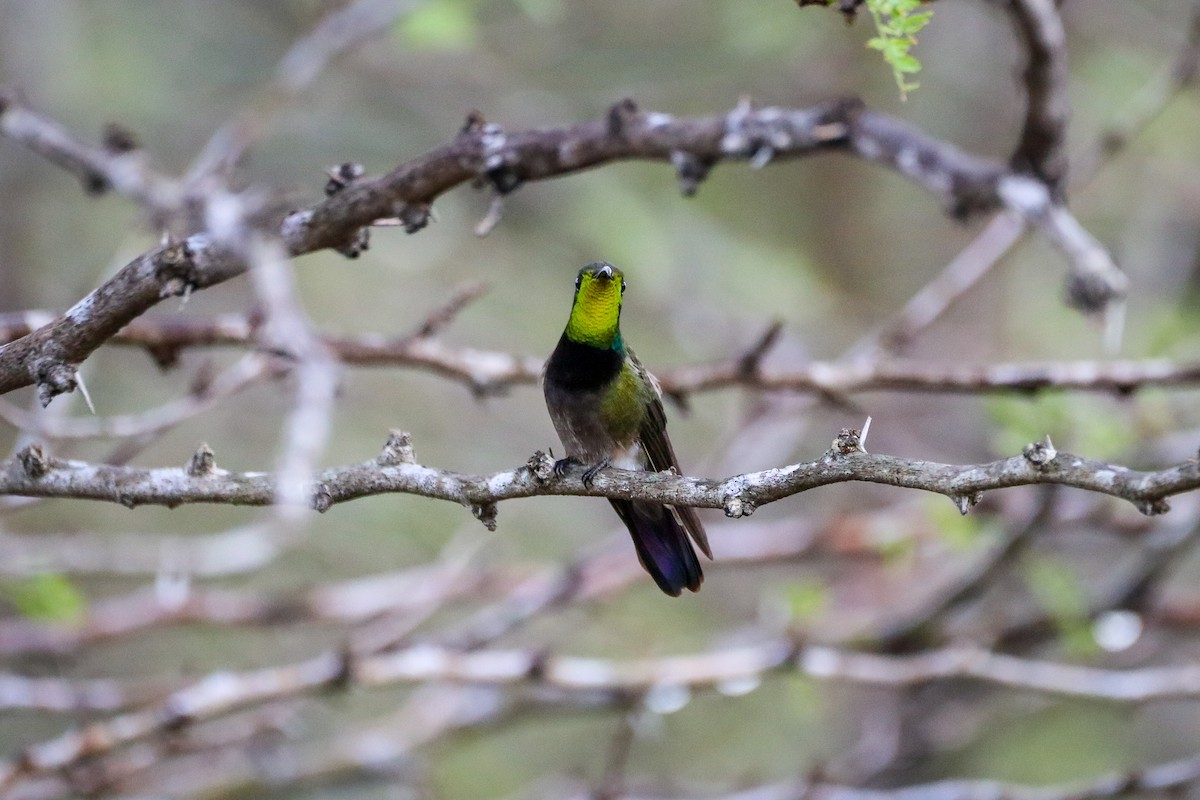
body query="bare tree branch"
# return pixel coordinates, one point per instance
(49, 356)
(1040, 150)
(32, 473)
(117, 164)
(490, 372)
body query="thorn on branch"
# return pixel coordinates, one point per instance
(1153, 507)
(504, 179)
(414, 216)
(497, 169)
(175, 271)
(53, 378)
(690, 170)
(83, 390)
(474, 123)
(94, 184)
(1091, 291)
(751, 361)
(33, 461)
(118, 139)
(322, 498)
(540, 466)
(486, 513)
(737, 506)
(397, 450)
(848, 441)
(492, 218)
(165, 356)
(622, 112)
(358, 243)
(1040, 454)
(203, 461)
(965, 502)
(342, 176)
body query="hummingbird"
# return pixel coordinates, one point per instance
(608, 411)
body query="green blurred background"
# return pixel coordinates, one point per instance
(828, 245)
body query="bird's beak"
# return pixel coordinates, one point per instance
(605, 272)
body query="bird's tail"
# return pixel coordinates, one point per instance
(662, 545)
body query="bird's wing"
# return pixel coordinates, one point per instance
(661, 455)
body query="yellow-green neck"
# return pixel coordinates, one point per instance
(595, 317)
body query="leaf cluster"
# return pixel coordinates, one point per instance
(897, 23)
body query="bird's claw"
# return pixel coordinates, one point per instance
(591, 472)
(563, 464)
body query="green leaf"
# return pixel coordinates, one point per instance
(906, 63)
(916, 22)
(896, 25)
(49, 596)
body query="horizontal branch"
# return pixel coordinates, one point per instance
(491, 372)
(32, 473)
(49, 356)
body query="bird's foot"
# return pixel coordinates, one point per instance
(591, 472)
(563, 464)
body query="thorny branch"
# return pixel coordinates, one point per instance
(49, 356)
(33, 473)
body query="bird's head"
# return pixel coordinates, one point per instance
(596, 311)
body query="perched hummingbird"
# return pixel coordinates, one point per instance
(608, 410)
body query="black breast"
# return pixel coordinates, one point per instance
(580, 367)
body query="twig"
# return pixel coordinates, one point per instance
(117, 165)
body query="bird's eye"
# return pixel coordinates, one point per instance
(578, 280)
(622, 285)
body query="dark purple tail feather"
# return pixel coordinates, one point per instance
(662, 546)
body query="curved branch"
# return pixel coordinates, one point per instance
(31, 473)
(49, 356)
(1040, 150)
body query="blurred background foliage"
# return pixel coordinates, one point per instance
(829, 245)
